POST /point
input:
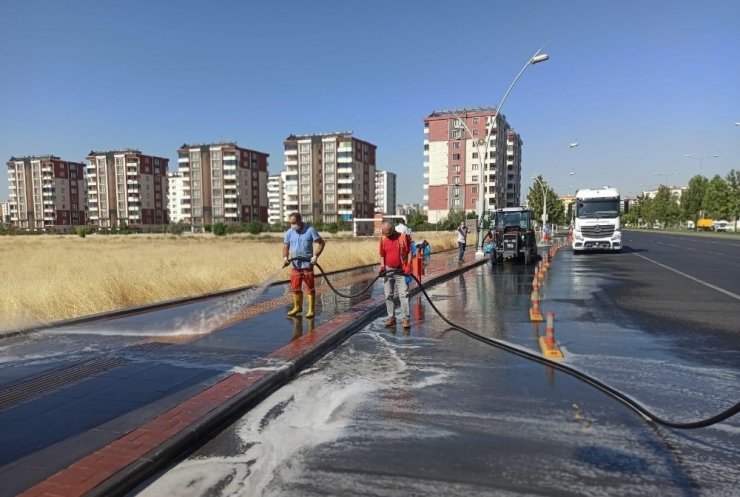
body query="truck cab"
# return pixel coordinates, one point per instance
(596, 220)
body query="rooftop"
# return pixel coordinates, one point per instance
(345, 134)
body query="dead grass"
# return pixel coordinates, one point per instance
(52, 278)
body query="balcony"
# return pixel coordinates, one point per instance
(228, 177)
(344, 170)
(230, 205)
(345, 201)
(344, 191)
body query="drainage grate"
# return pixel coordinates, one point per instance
(54, 380)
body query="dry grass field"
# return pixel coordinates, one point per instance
(51, 278)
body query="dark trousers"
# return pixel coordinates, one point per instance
(461, 250)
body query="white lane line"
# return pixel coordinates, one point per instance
(713, 287)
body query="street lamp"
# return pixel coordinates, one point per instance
(666, 176)
(535, 59)
(701, 159)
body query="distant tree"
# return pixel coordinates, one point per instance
(416, 220)
(665, 207)
(693, 198)
(733, 182)
(555, 207)
(717, 198)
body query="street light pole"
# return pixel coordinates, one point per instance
(535, 59)
(701, 160)
(666, 176)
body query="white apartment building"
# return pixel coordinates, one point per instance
(275, 212)
(175, 192)
(329, 177)
(4, 212)
(454, 148)
(385, 192)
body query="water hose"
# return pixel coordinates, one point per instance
(570, 370)
(328, 282)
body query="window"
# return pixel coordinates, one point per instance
(475, 155)
(456, 169)
(475, 132)
(475, 120)
(455, 156)
(456, 145)
(475, 177)
(305, 147)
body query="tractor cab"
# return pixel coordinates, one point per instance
(513, 234)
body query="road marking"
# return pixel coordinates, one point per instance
(713, 287)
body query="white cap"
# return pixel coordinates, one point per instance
(401, 228)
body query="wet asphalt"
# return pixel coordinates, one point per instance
(432, 411)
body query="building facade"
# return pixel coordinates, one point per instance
(275, 210)
(329, 177)
(4, 212)
(222, 183)
(46, 193)
(175, 191)
(127, 188)
(385, 192)
(452, 159)
(513, 169)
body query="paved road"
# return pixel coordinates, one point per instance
(435, 412)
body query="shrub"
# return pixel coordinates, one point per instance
(253, 227)
(332, 228)
(219, 229)
(83, 231)
(175, 228)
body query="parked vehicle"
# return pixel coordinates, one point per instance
(705, 224)
(721, 225)
(513, 234)
(596, 220)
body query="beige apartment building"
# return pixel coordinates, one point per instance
(127, 188)
(222, 183)
(46, 193)
(455, 146)
(329, 177)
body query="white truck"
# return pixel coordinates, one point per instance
(596, 220)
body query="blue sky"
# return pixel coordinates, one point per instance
(639, 84)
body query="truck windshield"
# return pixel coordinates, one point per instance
(598, 208)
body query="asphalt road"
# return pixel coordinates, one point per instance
(435, 412)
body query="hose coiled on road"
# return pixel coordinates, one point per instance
(612, 392)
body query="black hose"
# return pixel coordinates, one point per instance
(599, 385)
(328, 282)
(589, 380)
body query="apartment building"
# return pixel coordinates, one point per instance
(4, 212)
(330, 177)
(127, 188)
(46, 193)
(275, 210)
(454, 148)
(222, 183)
(175, 191)
(385, 192)
(513, 169)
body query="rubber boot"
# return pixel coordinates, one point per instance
(297, 304)
(310, 312)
